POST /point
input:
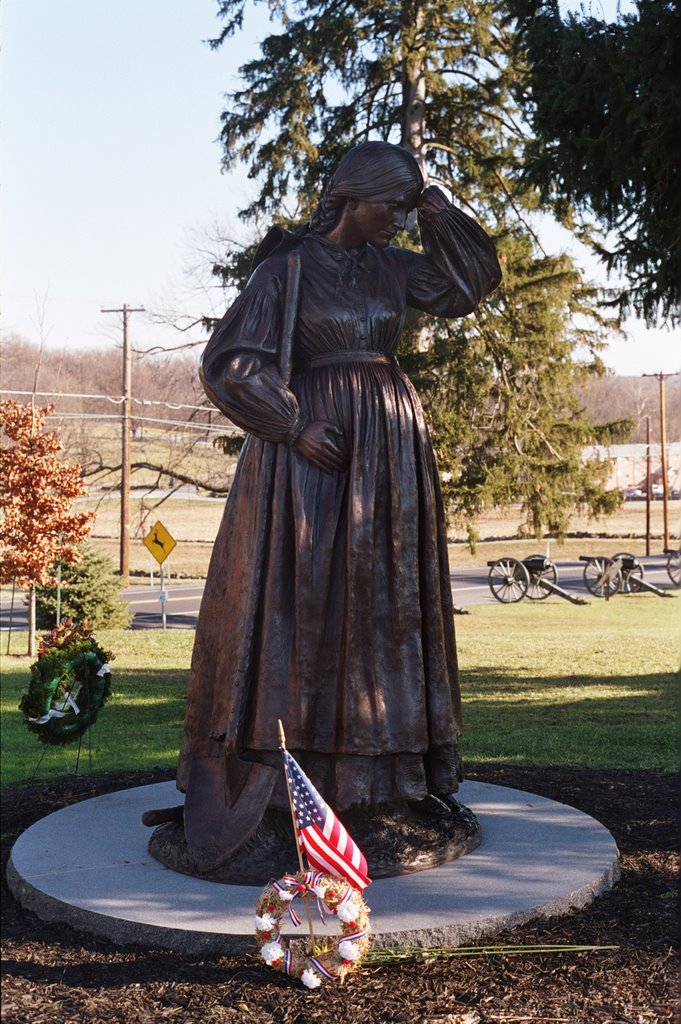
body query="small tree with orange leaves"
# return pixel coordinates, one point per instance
(37, 490)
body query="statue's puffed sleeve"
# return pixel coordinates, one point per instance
(459, 268)
(240, 365)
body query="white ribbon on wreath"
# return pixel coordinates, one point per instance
(68, 705)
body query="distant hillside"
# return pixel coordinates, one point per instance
(173, 379)
(614, 398)
(161, 377)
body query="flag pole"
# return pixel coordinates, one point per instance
(282, 745)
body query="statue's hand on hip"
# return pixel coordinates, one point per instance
(324, 445)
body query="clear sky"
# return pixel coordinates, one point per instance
(110, 176)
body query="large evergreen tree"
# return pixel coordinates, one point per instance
(604, 100)
(438, 77)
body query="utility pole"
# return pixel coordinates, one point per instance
(126, 441)
(661, 377)
(649, 485)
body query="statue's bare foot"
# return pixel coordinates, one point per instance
(163, 814)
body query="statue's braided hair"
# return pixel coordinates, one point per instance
(326, 213)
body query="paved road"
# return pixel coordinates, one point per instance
(469, 588)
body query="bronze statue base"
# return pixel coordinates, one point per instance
(396, 840)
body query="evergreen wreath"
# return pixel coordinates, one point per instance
(334, 956)
(70, 681)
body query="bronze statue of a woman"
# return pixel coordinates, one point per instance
(328, 601)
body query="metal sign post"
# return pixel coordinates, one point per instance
(160, 543)
(162, 598)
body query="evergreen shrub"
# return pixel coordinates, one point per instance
(90, 591)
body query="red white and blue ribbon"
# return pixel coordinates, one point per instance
(319, 966)
(346, 899)
(290, 888)
(355, 935)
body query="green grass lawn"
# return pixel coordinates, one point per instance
(554, 684)
(544, 683)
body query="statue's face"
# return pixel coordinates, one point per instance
(378, 223)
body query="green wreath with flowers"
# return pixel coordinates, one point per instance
(70, 682)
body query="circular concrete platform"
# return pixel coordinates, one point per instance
(88, 865)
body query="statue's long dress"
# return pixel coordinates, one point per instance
(328, 601)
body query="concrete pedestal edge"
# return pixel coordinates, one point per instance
(196, 943)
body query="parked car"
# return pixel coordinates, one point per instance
(656, 493)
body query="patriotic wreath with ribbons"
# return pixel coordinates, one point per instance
(70, 682)
(334, 956)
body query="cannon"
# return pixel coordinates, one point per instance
(535, 577)
(674, 565)
(621, 574)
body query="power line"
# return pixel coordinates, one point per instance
(61, 394)
(108, 398)
(188, 424)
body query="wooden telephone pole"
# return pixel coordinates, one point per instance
(126, 440)
(649, 485)
(661, 377)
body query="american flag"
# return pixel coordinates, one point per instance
(324, 839)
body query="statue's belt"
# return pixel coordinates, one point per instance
(343, 356)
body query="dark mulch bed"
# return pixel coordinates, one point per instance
(54, 975)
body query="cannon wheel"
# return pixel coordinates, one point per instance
(508, 580)
(535, 591)
(674, 567)
(630, 577)
(593, 571)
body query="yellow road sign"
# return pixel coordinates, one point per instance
(159, 542)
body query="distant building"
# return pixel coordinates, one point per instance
(629, 464)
